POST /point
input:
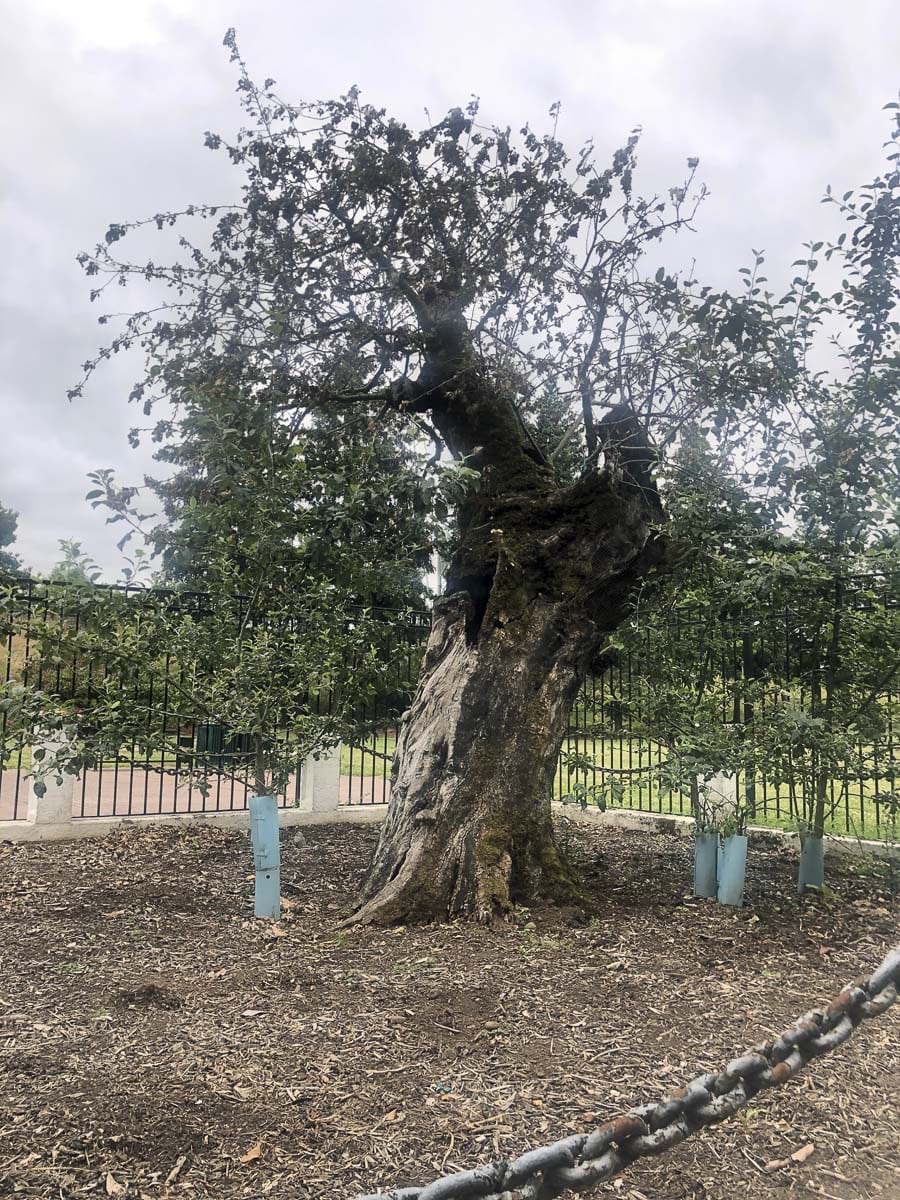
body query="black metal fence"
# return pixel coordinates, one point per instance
(798, 702)
(200, 766)
(795, 701)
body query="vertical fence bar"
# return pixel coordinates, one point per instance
(748, 672)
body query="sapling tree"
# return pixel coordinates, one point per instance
(100, 675)
(503, 308)
(268, 641)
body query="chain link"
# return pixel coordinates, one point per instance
(586, 1159)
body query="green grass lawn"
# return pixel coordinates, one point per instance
(371, 756)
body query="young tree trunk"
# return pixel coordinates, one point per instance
(469, 829)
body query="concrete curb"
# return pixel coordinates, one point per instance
(87, 827)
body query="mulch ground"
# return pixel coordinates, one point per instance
(156, 1041)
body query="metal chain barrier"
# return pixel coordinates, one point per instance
(587, 1159)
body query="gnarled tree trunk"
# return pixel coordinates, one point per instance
(541, 576)
(468, 829)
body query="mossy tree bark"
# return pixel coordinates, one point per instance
(541, 575)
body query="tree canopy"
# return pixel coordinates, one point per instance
(323, 287)
(316, 298)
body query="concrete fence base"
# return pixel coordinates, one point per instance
(95, 827)
(320, 783)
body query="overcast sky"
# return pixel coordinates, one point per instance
(106, 103)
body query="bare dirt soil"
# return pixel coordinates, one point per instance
(157, 1042)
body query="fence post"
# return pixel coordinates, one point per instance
(723, 788)
(54, 808)
(320, 782)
